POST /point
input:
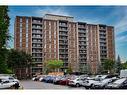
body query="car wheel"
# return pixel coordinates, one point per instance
(77, 84)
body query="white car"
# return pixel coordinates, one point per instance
(6, 84)
(76, 82)
(88, 83)
(41, 78)
(9, 78)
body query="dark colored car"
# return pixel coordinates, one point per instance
(64, 81)
(47, 79)
(51, 79)
(118, 84)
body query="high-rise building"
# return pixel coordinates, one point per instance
(78, 44)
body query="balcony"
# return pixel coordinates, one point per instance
(82, 35)
(62, 43)
(82, 57)
(37, 36)
(37, 22)
(84, 52)
(36, 27)
(63, 47)
(82, 43)
(63, 29)
(63, 34)
(63, 25)
(36, 32)
(82, 26)
(82, 30)
(63, 53)
(37, 42)
(82, 39)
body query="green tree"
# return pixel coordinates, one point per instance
(4, 37)
(69, 70)
(99, 68)
(124, 65)
(54, 65)
(118, 65)
(108, 65)
(18, 60)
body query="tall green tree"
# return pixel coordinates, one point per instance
(118, 65)
(4, 25)
(4, 37)
(108, 65)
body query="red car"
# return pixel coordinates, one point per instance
(64, 81)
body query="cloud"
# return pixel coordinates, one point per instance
(122, 38)
(51, 10)
(121, 25)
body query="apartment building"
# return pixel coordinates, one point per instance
(78, 44)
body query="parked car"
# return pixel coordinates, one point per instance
(51, 79)
(9, 78)
(118, 84)
(48, 79)
(103, 83)
(88, 83)
(36, 78)
(57, 79)
(64, 81)
(4, 84)
(42, 78)
(75, 82)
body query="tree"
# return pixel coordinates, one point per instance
(69, 70)
(124, 65)
(108, 65)
(19, 60)
(99, 68)
(54, 65)
(118, 65)
(4, 37)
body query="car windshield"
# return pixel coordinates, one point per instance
(120, 81)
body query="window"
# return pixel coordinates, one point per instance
(20, 20)
(27, 20)
(20, 25)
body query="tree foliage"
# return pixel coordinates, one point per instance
(4, 37)
(118, 65)
(69, 70)
(4, 25)
(124, 65)
(18, 59)
(54, 65)
(108, 65)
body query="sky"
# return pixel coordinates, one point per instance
(110, 15)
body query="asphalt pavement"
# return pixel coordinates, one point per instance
(29, 84)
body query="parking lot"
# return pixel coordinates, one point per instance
(29, 84)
